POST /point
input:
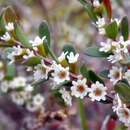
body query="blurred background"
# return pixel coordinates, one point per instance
(69, 24)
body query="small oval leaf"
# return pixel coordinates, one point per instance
(123, 90)
(125, 28)
(112, 30)
(94, 52)
(22, 37)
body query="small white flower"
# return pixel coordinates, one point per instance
(29, 54)
(17, 51)
(116, 103)
(60, 73)
(28, 88)
(66, 96)
(105, 47)
(115, 74)
(79, 88)
(38, 100)
(72, 58)
(41, 71)
(117, 21)
(96, 3)
(4, 86)
(122, 45)
(1, 75)
(124, 115)
(32, 107)
(17, 98)
(37, 41)
(18, 82)
(101, 31)
(116, 57)
(62, 56)
(98, 92)
(127, 75)
(100, 23)
(9, 26)
(29, 68)
(6, 37)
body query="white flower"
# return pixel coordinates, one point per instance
(29, 54)
(100, 23)
(124, 115)
(38, 100)
(97, 92)
(17, 98)
(1, 75)
(28, 88)
(41, 71)
(116, 103)
(38, 72)
(4, 86)
(17, 51)
(115, 74)
(122, 45)
(96, 3)
(117, 21)
(9, 26)
(37, 41)
(18, 82)
(79, 88)
(72, 58)
(101, 31)
(106, 47)
(62, 56)
(66, 96)
(6, 37)
(127, 75)
(32, 107)
(60, 73)
(116, 57)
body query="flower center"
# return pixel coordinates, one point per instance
(98, 92)
(62, 74)
(80, 88)
(117, 75)
(126, 114)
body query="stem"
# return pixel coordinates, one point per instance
(83, 121)
(52, 55)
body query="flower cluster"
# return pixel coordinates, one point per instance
(63, 71)
(21, 93)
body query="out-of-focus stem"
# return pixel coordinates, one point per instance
(83, 121)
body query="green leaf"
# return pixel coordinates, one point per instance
(84, 71)
(104, 73)
(94, 52)
(89, 10)
(2, 24)
(10, 71)
(44, 31)
(68, 48)
(22, 37)
(32, 61)
(125, 28)
(9, 14)
(94, 77)
(112, 30)
(123, 90)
